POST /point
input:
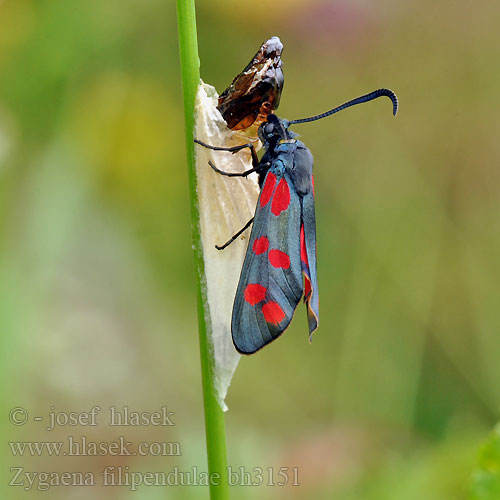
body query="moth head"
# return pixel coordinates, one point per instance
(274, 129)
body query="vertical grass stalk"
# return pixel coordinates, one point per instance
(214, 416)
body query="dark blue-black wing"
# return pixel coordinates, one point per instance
(308, 259)
(271, 281)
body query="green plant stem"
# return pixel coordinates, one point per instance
(214, 416)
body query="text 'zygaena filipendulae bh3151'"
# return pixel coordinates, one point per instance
(280, 262)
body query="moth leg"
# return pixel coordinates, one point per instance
(228, 242)
(234, 149)
(234, 174)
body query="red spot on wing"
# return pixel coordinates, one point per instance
(307, 287)
(277, 258)
(281, 198)
(312, 179)
(305, 265)
(254, 293)
(273, 313)
(268, 189)
(260, 245)
(303, 251)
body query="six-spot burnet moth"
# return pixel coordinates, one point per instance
(280, 263)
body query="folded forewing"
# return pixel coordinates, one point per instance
(271, 283)
(308, 258)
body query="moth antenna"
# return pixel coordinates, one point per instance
(272, 118)
(364, 98)
(283, 130)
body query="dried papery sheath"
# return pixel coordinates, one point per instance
(226, 205)
(256, 91)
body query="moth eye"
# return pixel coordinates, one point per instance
(268, 129)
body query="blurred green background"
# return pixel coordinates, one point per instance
(400, 385)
